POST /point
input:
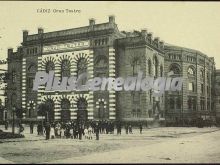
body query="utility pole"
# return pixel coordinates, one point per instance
(13, 119)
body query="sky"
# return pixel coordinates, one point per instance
(194, 25)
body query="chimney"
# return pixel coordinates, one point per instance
(10, 51)
(156, 39)
(91, 21)
(144, 31)
(111, 19)
(161, 44)
(149, 35)
(25, 34)
(40, 30)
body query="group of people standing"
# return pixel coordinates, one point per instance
(78, 130)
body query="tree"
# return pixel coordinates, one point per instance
(44, 109)
(19, 112)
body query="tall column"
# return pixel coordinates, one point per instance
(74, 110)
(24, 83)
(112, 98)
(57, 108)
(91, 93)
(40, 90)
(57, 115)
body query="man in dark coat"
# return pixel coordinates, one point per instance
(6, 125)
(31, 128)
(47, 128)
(97, 131)
(80, 131)
(141, 128)
(126, 128)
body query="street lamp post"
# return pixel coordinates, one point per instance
(13, 119)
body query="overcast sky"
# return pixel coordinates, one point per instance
(194, 25)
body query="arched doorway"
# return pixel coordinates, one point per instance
(82, 113)
(102, 112)
(65, 110)
(50, 111)
(31, 110)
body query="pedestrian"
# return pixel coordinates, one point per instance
(58, 129)
(62, 135)
(118, 125)
(6, 125)
(21, 128)
(47, 129)
(80, 132)
(126, 128)
(86, 133)
(90, 132)
(52, 132)
(67, 131)
(97, 131)
(140, 128)
(31, 128)
(38, 129)
(130, 129)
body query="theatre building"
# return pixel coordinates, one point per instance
(197, 96)
(69, 53)
(103, 51)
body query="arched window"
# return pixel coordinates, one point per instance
(194, 103)
(14, 76)
(175, 68)
(65, 110)
(30, 111)
(82, 109)
(50, 105)
(191, 71)
(136, 65)
(172, 103)
(13, 99)
(65, 68)
(82, 104)
(136, 97)
(189, 103)
(149, 67)
(191, 87)
(102, 111)
(156, 63)
(65, 104)
(82, 68)
(49, 66)
(101, 66)
(161, 70)
(201, 74)
(31, 70)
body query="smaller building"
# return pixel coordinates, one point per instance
(217, 95)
